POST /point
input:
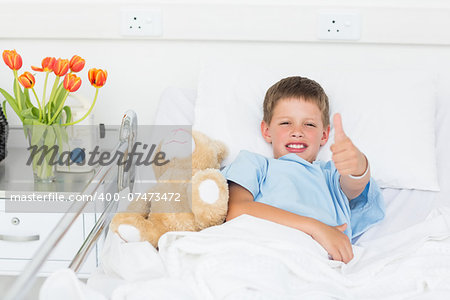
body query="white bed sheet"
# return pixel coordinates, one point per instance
(252, 258)
(415, 248)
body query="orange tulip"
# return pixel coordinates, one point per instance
(72, 82)
(47, 65)
(61, 67)
(12, 59)
(27, 80)
(77, 63)
(97, 77)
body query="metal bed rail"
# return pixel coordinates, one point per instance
(127, 137)
(128, 132)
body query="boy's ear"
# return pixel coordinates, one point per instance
(265, 132)
(325, 136)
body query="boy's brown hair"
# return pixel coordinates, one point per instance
(300, 88)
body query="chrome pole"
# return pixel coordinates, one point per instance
(128, 134)
(93, 236)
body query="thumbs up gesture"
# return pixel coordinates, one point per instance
(346, 157)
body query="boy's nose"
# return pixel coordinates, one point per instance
(297, 134)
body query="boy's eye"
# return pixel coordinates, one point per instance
(284, 123)
(311, 124)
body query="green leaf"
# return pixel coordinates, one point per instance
(61, 136)
(4, 108)
(64, 134)
(50, 137)
(37, 132)
(19, 94)
(68, 112)
(30, 113)
(59, 98)
(27, 99)
(27, 122)
(60, 91)
(28, 125)
(58, 133)
(12, 102)
(34, 128)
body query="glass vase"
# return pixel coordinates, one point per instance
(45, 143)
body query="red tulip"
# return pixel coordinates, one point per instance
(27, 80)
(77, 63)
(61, 67)
(72, 82)
(12, 59)
(97, 77)
(47, 65)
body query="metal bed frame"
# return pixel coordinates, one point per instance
(125, 179)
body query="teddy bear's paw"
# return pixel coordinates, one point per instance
(129, 233)
(208, 191)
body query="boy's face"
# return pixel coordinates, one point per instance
(296, 127)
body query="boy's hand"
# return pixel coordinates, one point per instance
(346, 157)
(334, 241)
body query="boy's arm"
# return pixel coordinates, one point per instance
(351, 163)
(241, 202)
(354, 185)
(331, 238)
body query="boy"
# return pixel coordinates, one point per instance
(334, 201)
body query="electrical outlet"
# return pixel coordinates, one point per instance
(339, 25)
(141, 22)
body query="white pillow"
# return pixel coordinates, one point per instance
(389, 115)
(176, 107)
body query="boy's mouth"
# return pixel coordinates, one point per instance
(296, 147)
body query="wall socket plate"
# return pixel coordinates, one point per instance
(141, 22)
(339, 24)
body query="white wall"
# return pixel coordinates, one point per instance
(395, 34)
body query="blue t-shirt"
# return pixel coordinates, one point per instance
(307, 189)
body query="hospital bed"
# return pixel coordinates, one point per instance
(407, 255)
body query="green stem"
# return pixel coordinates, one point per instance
(40, 108)
(87, 114)
(45, 89)
(55, 86)
(59, 108)
(57, 95)
(19, 100)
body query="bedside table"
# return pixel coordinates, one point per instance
(25, 226)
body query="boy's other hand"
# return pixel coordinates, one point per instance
(334, 241)
(346, 156)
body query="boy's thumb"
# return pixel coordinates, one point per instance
(339, 133)
(341, 227)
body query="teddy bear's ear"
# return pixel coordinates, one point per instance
(217, 150)
(222, 150)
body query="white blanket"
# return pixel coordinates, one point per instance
(254, 258)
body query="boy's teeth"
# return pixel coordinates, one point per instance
(296, 146)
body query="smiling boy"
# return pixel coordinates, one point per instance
(333, 201)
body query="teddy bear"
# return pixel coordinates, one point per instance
(201, 199)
